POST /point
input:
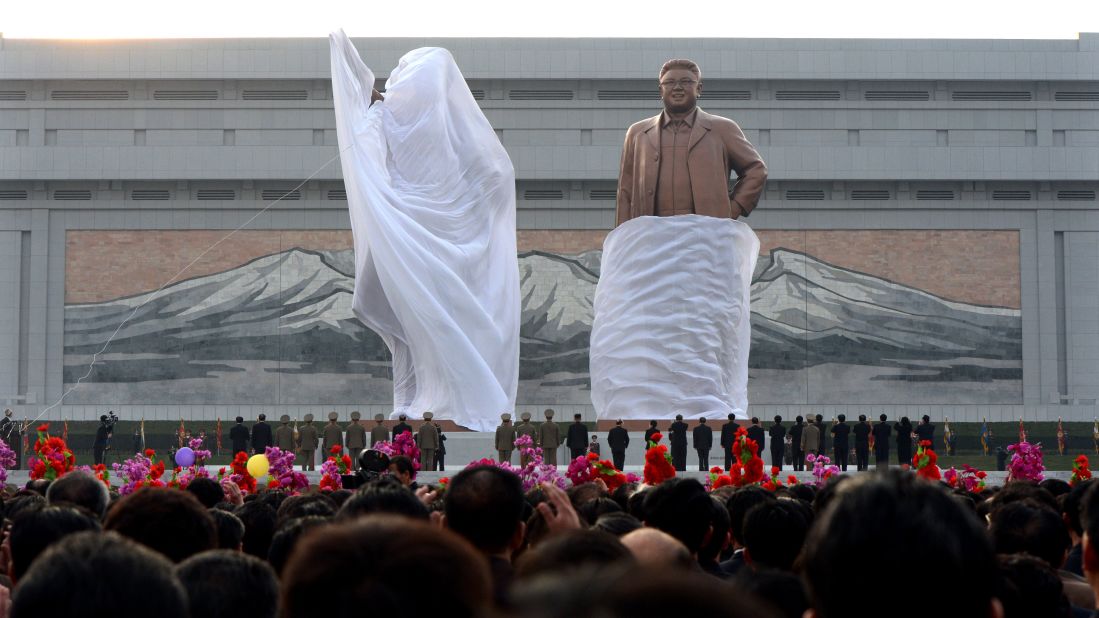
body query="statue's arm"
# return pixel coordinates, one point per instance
(750, 170)
(625, 180)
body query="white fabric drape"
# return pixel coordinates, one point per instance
(431, 193)
(672, 326)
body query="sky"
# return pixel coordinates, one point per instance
(972, 19)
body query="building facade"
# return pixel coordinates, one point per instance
(929, 232)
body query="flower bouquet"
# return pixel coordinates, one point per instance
(403, 444)
(281, 474)
(925, 462)
(140, 471)
(7, 461)
(52, 456)
(823, 469)
(1080, 471)
(239, 474)
(589, 468)
(1026, 462)
(658, 462)
(969, 479)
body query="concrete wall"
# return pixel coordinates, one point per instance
(997, 136)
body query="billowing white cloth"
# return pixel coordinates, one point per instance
(672, 325)
(431, 193)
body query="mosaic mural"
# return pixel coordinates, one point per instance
(847, 316)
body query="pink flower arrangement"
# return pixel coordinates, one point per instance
(140, 471)
(7, 460)
(822, 468)
(403, 444)
(330, 475)
(534, 473)
(1026, 462)
(282, 473)
(969, 479)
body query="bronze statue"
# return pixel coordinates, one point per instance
(678, 162)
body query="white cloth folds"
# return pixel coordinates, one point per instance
(672, 325)
(431, 193)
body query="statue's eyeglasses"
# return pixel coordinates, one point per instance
(683, 83)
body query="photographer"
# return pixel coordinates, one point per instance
(103, 436)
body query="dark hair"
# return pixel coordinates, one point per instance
(34, 531)
(678, 417)
(681, 63)
(755, 419)
(28, 501)
(618, 524)
(304, 504)
(81, 489)
(783, 591)
(1029, 527)
(230, 529)
(383, 496)
(1028, 586)
(240, 419)
(484, 504)
(404, 465)
(381, 562)
(732, 417)
(905, 421)
(262, 417)
(842, 418)
(896, 522)
(102, 574)
(719, 526)
(576, 417)
(208, 491)
(862, 418)
(259, 526)
(566, 551)
(926, 418)
(882, 418)
(681, 507)
(286, 539)
(778, 419)
(740, 503)
(1056, 487)
(798, 418)
(591, 510)
(1072, 505)
(229, 584)
(39, 486)
(774, 534)
(652, 423)
(167, 520)
(820, 418)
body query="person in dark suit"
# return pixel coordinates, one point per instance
(618, 439)
(840, 443)
(882, 433)
(577, 438)
(778, 442)
(862, 443)
(822, 440)
(102, 440)
(703, 439)
(755, 432)
(238, 437)
(678, 440)
(795, 443)
(261, 435)
(649, 433)
(728, 436)
(904, 441)
(925, 431)
(401, 427)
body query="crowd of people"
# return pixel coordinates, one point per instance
(885, 543)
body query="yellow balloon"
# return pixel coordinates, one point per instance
(258, 466)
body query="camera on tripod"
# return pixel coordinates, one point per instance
(372, 465)
(109, 420)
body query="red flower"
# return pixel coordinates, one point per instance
(656, 437)
(150, 453)
(335, 450)
(44, 427)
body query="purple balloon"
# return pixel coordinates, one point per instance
(185, 457)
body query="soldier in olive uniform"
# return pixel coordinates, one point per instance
(307, 437)
(333, 434)
(378, 433)
(429, 441)
(284, 435)
(549, 438)
(526, 428)
(356, 438)
(505, 438)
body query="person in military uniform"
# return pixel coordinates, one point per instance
(356, 439)
(703, 439)
(307, 436)
(577, 438)
(618, 439)
(526, 428)
(284, 435)
(678, 439)
(549, 438)
(505, 438)
(378, 433)
(429, 442)
(401, 427)
(333, 434)
(261, 435)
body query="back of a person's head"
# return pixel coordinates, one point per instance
(228, 584)
(383, 496)
(170, 521)
(484, 504)
(1028, 527)
(774, 534)
(593, 509)
(618, 524)
(39, 486)
(286, 539)
(208, 491)
(1072, 507)
(80, 489)
(259, 526)
(680, 507)
(381, 563)
(783, 591)
(1056, 487)
(99, 574)
(884, 524)
(230, 529)
(23, 502)
(710, 552)
(36, 530)
(302, 505)
(566, 551)
(1028, 587)
(652, 547)
(738, 505)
